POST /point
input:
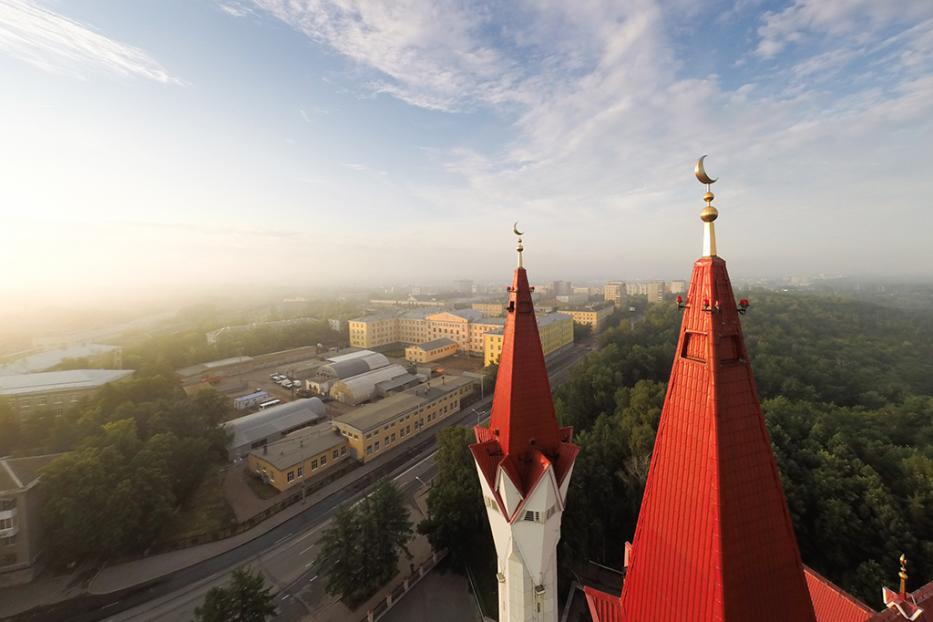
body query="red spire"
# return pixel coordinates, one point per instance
(714, 540)
(522, 409)
(523, 436)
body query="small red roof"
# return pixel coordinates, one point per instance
(921, 599)
(831, 603)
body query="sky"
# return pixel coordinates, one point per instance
(156, 147)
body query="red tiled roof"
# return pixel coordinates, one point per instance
(831, 603)
(714, 539)
(603, 607)
(522, 423)
(922, 598)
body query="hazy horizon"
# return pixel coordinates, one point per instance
(179, 149)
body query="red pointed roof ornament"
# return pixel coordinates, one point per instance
(714, 540)
(523, 435)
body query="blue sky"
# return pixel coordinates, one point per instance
(198, 145)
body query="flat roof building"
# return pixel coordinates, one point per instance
(431, 351)
(374, 428)
(94, 355)
(594, 316)
(554, 329)
(20, 526)
(299, 456)
(55, 390)
(271, 424)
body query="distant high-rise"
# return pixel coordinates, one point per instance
(561, 288)
(614, 292)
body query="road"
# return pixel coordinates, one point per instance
(285, 554)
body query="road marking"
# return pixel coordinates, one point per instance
(285, 596)
(307, 549)
(406, 471)
(282, 539)
(308, 565)
(111, 605)
(312, 578)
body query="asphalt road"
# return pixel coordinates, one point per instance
(286, 554)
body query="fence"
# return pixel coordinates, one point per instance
(396, 594)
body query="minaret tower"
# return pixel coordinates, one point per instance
(524, 461)
(714, 540)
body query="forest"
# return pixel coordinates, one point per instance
(846, 392)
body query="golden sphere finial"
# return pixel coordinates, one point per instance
(709, 214)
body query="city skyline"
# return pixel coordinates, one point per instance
(200, 146)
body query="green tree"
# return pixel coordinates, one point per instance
(456, 516)
(360, 551)
(244, 599)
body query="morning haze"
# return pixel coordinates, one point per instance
(306, 303)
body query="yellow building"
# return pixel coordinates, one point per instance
(373, 331)
(594, 316)
(431, 351)
(614, 292)
(492, 309)
(464, 326)
(554, 329)
(299, 456)
(373, 429)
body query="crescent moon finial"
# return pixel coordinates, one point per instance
(700, 171)
(515, 229)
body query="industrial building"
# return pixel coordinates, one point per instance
(271, 424)
(342, 367)
(55, 390)
(375, 428)
(299, 456)
(554, 329)
(362, 387)
(20, 526)
(90, 355)
(431, 351)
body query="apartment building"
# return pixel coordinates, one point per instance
(614, 292)
(594, 316)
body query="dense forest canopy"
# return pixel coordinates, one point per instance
(846, 391)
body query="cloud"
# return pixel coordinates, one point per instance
(860, 19)
(54, 43)
(235, 9)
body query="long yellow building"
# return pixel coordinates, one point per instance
(554, 329)
(594, 316)
(373, 429)
(465, 327)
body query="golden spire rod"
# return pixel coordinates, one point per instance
(903, 575)
(709, 213)
(519, 247)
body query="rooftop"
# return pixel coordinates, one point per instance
(373, 415)
(46, 360)
(300, 445)
(443, 342)
(71, 380)
(276, 419)
(18, 473)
